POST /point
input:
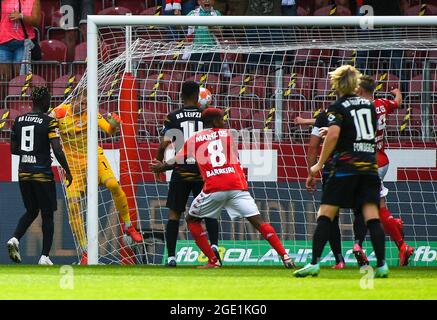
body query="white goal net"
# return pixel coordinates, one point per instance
(263, 77)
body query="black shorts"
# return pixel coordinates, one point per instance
(38, 195)
(351, 191)
(178, 192)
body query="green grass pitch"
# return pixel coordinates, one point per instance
(157, 282)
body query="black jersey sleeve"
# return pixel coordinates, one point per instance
(335, 115)
(321, 120)
(169, 123)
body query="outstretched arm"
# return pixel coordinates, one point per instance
(398, 96)
(60, 156)
(328, 147)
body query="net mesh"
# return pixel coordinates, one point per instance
(263, 78)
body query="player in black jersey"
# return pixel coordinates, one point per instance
(178, 127)
(32, 135)
(353, 182)
(316, 139)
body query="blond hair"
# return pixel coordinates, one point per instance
(345, 79)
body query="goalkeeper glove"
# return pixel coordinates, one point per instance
(114, 120)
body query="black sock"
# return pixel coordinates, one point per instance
(335, 240)
(47, 232)
(171, 235)
(213, 230)
(378, 240)
(321, 236)
(24, 223)
(360, 228)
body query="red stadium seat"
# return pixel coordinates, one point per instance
(325, 11)
(389, 82)
(301, 11)
(323, 94)
(152, 11)
(415, 10)
(302, 88)
(212, 82)
(60, 84)
(256, 85)
(169, 85)
(53, 50)
(114, 11)
(134, 6)
(9, 120)
(18, 105)
(80, 52)
(16, 84)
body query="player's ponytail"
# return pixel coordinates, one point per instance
(345, 80)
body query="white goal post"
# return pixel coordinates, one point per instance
(94, 22)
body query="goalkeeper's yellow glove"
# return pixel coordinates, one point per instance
(114, 120)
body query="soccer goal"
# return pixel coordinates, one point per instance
(264, 72)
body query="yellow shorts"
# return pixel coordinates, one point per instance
(77, 189)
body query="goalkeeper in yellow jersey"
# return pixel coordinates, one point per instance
(72, 119)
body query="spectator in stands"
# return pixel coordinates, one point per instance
(264, 8)
(81, 8)
(232, 7)
(205, 38)
(177, 8)
(257, 36)
(289, 8)
(12, 35)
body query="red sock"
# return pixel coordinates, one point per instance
(270, 235)
(199, 236)
(391, 226)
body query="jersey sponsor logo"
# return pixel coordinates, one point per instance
(189, 114)
(331, 117)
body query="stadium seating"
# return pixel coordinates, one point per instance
(151, 11)
(53, 50)
(136, 7)
(60, 84)
(17, 83)
(340, 11)
(114, 11)
(415, 10)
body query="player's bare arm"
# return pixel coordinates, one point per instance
(60, 156)
(304, 122)
(398, 96)
(328, 146)
(313, 150)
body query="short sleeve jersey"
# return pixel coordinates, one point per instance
(355, 152)
(32, 133)
(179, 126)
(217, 158)
(383, 108)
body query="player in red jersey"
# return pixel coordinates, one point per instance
(225, 185)
(393, 227)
